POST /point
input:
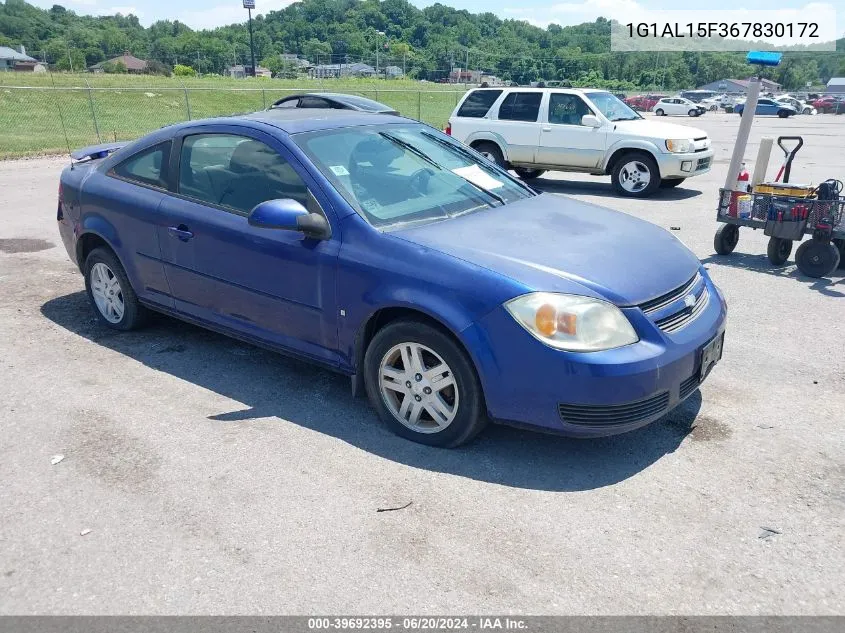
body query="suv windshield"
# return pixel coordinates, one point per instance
(611, 107)
(396, 174)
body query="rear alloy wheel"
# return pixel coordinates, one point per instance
(423, 385)
(779, 250)
(783, 113)
(110, 292)
(529, 174)
(491, 152)
(635, 175)
(659, 112)
(816, 258)
(726, 239)
(670, 183)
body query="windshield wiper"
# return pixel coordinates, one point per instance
(418, 152)
(469, 156)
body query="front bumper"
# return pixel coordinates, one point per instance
(591, 394)
(685, 165)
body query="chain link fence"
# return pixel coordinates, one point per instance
(49, 120)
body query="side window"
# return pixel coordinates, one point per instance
(290, 103)
(313, 102)
(566, 109)
(521, 106)
(147, 167)
(237, 172)
(478, 103)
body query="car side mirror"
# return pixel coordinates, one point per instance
(286, 214)
(590, 120)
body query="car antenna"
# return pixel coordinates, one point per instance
(62, 120)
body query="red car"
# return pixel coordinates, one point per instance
(829, 104)
(643, 102)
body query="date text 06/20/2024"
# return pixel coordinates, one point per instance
(724, 29)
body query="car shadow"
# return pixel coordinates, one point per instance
(273, 386)
(760, 263)
(605, 190)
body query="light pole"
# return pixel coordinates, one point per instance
(378, 34)
(249, 5)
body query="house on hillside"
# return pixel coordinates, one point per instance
(18, 60)
(739, 85)
(239, 71)
(327, 71)
(295, 61)
(393, 72)
(132, 63)
(836, 85)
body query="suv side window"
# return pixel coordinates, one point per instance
(147, 167)
(566, 109)
(237, 172)
(478, 103)
(520, 106)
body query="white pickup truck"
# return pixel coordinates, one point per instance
(532, 130)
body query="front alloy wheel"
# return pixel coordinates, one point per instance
(635, 175)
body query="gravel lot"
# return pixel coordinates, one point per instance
(218, 478)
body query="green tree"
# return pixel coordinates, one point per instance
(181, 70)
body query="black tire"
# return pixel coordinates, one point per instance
(783, 114)
(492, 152)
(659, 112)
(134, 313)
(671, 183)
(779, 250)
(726, 238)
(693, 113)
(816, 258)
(471, 416)
(644, 160)
(529, 174)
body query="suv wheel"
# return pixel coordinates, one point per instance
(529, 174)
(491, 152)
(635, 175)
(423, 385)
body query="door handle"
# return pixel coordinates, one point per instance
(547, 129)
(181, 231)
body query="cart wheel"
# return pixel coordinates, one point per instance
(726, 238)
(779, 250)
(816, 258)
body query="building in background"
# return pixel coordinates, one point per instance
(18, 60)
(393, 72)
(132, 63)
(739, 85)
(239, 71)
(835, 86)
(329, 71)
(461, 76)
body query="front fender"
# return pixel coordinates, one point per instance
(627, 144)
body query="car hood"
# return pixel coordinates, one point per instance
(557, 244)
(654, 129)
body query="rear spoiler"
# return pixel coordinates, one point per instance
(97, 151)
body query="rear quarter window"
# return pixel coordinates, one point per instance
(521, 106)
(478, 103)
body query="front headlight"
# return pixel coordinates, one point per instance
(680, 145)
(572, 322)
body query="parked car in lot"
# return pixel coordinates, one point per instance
(767, 106)
(800, 106)
(381, 248)
(580, 130)
(334, 100)
(827, 105)
(643, 103)
(677, 106)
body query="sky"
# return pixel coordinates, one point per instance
(200, 14)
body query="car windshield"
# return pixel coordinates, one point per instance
(611, 107)
(399, 174)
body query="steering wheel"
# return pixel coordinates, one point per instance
(419, 180)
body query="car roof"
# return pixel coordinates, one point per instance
(340, 97)
(535, 88)
(296, 120)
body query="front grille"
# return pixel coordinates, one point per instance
(662, 301)
(703, 163)
(617, 414)
(688, 386)
(681, 319)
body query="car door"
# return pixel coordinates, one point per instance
(517, 122)
(273, 285)
(564, 141)
(766, 106)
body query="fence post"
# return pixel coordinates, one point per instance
(376, 94)
(264, 97)
(93, 112)
(419, 105)
(187, 101)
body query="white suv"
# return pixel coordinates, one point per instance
(533, 130)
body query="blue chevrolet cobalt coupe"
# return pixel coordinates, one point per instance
(381, 248)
